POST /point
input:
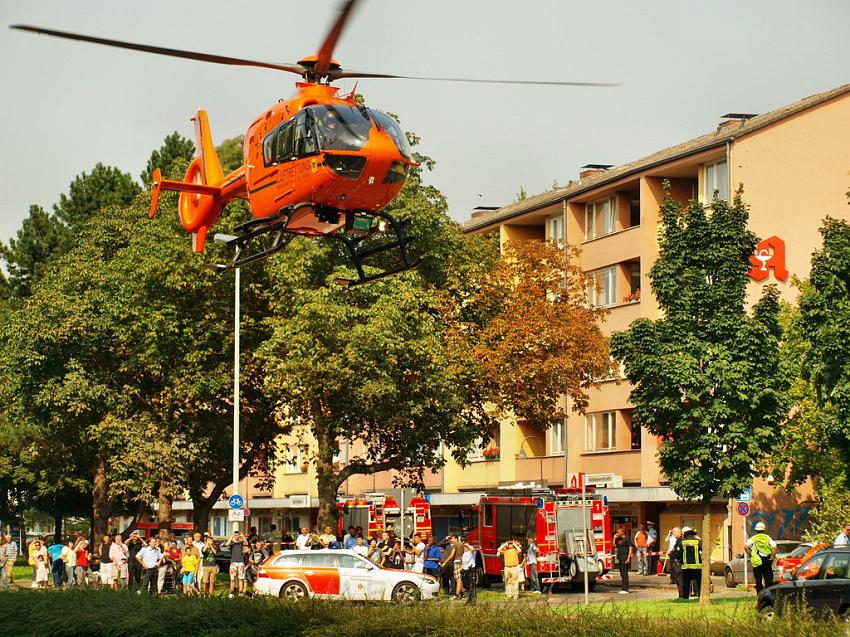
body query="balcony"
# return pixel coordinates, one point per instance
(479, 475)
(611, 248)
(384, 480)
(543, 469)
(624, 463)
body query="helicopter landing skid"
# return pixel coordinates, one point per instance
(250, 230)
(357, 255)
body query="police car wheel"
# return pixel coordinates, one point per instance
(406, 593)
(729, 576)
(293, 591)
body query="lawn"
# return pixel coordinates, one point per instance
(728, 608)
(115, 614)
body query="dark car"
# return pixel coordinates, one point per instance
(822, 584)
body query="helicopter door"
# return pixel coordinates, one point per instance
(284, 155)
(305, 137)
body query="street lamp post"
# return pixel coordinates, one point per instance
(522, 455)
(225, 239)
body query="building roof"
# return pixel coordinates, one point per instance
(715, 138)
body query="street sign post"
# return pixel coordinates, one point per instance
(236, 501)
(236, 515)
(744, 511)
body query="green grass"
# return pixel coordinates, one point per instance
(728, 608)
(114, 614)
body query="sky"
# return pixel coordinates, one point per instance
(681, 64)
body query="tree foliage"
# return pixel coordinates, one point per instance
(824, 324)
(539, 339)
(28, 254)
(171, 158)
(104, 186)
(707, 376)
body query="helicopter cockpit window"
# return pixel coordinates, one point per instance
(269, 148)
(341, 127)
(393, 130)
(285, 143)
(305, 135)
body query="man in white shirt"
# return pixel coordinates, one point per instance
(531, 560)
(843, 538)
(302, 539)
(150, 558)
(418, 554)
(469, 573)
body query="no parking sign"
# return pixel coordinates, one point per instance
(743, 508)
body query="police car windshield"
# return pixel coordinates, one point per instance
(393, 130)
(341, 127)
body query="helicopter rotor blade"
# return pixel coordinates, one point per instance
(190, 55)
(338, 75)
(323, 60)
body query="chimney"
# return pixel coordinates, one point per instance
(588, 170)
(734, 119)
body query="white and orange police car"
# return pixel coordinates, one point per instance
(339, 574)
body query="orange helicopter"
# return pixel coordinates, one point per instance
(317, 164)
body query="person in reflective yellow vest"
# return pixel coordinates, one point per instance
(762, 550)
(691, 562)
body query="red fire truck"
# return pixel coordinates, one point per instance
(179, 529)
(554, 519)
(378, 512)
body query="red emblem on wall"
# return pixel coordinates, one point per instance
(769, 254)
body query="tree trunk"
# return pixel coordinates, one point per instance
(100, 500)
(163, 515)
(57, 528)
(327, 480)
(705, 590)
(142, 510)
(201, 511)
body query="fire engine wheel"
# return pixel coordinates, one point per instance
(406, 593)
(729, 577)
(573, 569)
(293, 591)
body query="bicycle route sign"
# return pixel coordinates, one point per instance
(236, 501)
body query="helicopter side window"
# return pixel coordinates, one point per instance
(285, 143)
(269, 148)
(305, 135)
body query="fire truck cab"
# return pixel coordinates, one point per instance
(554, 519)
(179, 529)
(378, 512)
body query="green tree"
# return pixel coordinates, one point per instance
(40, 238)
(707, 375)
(171, 158)
(823, 323)
(230, 153)
(89, 192)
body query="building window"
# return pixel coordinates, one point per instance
(556, 438)
(600, 218)
(555, 230)
(600, 433)
(634, 213)
(295, 460)
(716, 178)
(602, 287)
(477, 452)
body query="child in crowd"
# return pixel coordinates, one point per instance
(41, 572)
(189, 562)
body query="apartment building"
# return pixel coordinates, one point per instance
(794, 164)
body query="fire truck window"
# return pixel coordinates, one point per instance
(269, 147)
(503, 522)
(523, 519)
(488, 515)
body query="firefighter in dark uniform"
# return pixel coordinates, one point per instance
(691, 546)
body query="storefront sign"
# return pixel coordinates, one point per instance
(769, 255)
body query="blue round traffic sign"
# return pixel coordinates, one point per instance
(236, 501)
(743, 508)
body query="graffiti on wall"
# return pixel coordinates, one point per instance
(786, 523)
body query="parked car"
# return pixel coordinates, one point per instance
(294, 575)
(822, 583)
(791, 562)
(733, 572)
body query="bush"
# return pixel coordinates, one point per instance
(116, 613)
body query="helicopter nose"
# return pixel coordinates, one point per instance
(383, 155)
